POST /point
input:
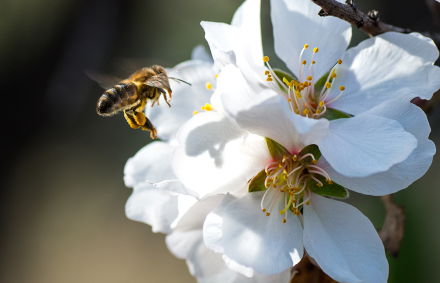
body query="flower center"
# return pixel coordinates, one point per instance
(302, 96)
(289, 178)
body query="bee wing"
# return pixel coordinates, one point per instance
(160, 81)
(179, 80)
(104, 81)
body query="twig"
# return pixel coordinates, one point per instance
(348, 12)
(393, 227)
(307, 272)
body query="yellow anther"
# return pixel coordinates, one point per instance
(314, 161)
(306, 111)
(342, 88)
(279, 165)
(328, 85)
(195, 112)
(298, 95)
(296, 111)
(264, 210)
(309, 78)
(306, 46)
(315, 49)
(274, 185)
(319, 185)
(266, 59)
(216, 76)
(329, 181)
(334, 75)
(296, 212)
(285, 80)
(208, 86)
(284, 220)
(267, 213)
(207, 107)
(321, 104)
(318, 111)
(301, 85)
(313, 62)
(307, 202)
(288, 99)
(269, 79)
(339, 61)
(304, 62)
(294, 158)
(267, 72)
(294, 200)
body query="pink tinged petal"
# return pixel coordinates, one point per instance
(232, 93)
(215, 156)
(343, 242)
(151, 163)
(152, 206)
(268, 115)
(365, 145)
(199, 53)
(296, 23)
(261, 242)
(401, 175)
(390, 65)
(186, 98)
(212, 227)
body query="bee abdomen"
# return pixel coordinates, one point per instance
(117, 98)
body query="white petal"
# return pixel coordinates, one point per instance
(215, 156)
(199, 53)
(153, 206)
(151, 163)
(186, 98)
(296, 23)
(192, 213)
(343, 242)
(212, 228)
(247, 19)
(261, 242)
(232, 93)
(390, 65)
(364, 145)
(230, 45)
(268, 115)
(175, 187)
(398, 177)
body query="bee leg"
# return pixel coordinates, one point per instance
(140, 118)
(149, 127)
(131, 120)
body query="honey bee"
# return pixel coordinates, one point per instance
(132, 94)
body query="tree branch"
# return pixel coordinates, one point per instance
(348, 12)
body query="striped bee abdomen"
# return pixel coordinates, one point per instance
(117, 98)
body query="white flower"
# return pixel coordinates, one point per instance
(223, 152)
(180, 216)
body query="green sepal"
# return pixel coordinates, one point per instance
(257, 182)
(333, 114)
(313, 149)
(281, 74)
(328, 190)
(276, 150)
(320, 83)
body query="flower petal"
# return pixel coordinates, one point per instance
(263, 243)
(296, 23)
(199, 53)
(343, 242)
(400, 175)
(215, 156)
(367, 144)
(212, 227)
(268, 115)
(390, 65)
(151, 163)
(232, 93)
(186, 98)
(153, 206)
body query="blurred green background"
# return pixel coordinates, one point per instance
(62, 193)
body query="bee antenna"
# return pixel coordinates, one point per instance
(179, 80)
